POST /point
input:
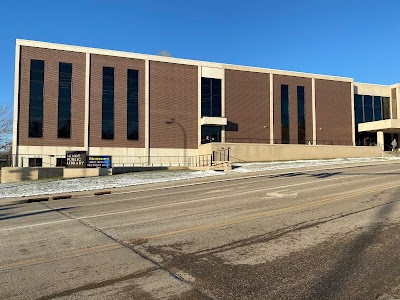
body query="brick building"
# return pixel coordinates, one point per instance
(143, 108)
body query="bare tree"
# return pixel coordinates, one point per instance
(6, 120)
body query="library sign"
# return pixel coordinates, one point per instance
(76, 159)
(80, 159)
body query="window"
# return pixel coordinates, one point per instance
(61, 162)
(358, 106)
(133, 105)
(35, 162)
(64, 100)
(285, 113)
(301, 115)
(377, 108)
(107, 131)
(36, 86)
(210, 97)
(368, 109)
(210, 134)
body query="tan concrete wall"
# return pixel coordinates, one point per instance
(254, 152)
(11, 174)
(83, 172)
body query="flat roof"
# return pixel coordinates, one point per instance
(54, 46)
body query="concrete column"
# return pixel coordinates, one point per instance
(398, 101)
(223, 104)
(314, 116)
(147, 111)
(199, 105)
(87, 103)
(353, 117)
(380, 139)
(14, 149)
(271, 108)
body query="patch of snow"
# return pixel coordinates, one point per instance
(40, 187)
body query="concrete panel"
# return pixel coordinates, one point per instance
(82, 172)
(208, 72)
(11, 174)
(266, 152)
(371, 89)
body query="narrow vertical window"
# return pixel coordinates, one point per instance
(133, 105)
(64, 100)
(368, 109)
(377, 108)
(36, 98)
(301, 115)
(210, 97)
(108, 104)
(285, 113)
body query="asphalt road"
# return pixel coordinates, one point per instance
(320, 233)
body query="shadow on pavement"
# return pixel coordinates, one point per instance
(9, 216)
(333, 283)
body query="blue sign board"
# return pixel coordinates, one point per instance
(98, 161)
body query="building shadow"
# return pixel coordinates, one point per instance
(6, 216)
(332, 284)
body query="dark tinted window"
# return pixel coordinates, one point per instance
(358, 107)
(285, 114)
(210, 97)
(108, 104)
(368, 109)
(64, 100)
(133, 105)
(36, 85)
(210, 134)
(377, 108)
(35, 162)
(301, 115)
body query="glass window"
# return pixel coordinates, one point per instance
(368, 109)
(36, 86)
(210, 97)
(133, 105)
(301, 115)
(35, 162)
(107, 132)
(377, 108)
(210, 134)
(64, 100)
(285, 114)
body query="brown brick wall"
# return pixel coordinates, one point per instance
(173, 95)
(333, 111)
(394, 104)
(52, 59)
(247, 106)
(292, 82)
(121, 66)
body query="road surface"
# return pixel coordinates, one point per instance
(317, 233)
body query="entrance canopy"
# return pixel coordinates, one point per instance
(386, 126)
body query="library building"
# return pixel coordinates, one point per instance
(137, 109)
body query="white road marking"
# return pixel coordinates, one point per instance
(281, 194)
(187, 202)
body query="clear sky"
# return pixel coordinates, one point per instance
(351, 38)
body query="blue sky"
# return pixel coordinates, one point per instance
(352, 38)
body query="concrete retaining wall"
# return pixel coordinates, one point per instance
(10, 174)
(265, 152)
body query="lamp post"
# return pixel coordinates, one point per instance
(173, 121)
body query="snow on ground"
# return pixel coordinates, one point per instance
(40, 187)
